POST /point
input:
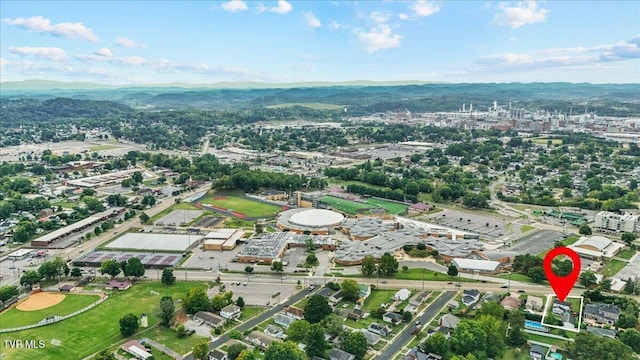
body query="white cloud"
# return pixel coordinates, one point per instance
(282, 7)
(104, 52)
(423, 8)
(50, 53)
(234, 6)
(379, 38)
(380, 17)
(403, 16)
(127, 43)
(336, 25)
(42, 25)
(312, 20)
(4, 62)
(520, 14)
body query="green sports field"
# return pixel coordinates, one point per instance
(98, 328)
(347, 206)
(390, 207)
(243, 205)
(14, 317)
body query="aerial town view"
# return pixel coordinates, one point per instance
(320, 180)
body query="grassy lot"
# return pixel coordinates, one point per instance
(570, 240)
(71, 303)
(315, 106)
(626, 254)
(377, 298)
(518, 277)
(427, 275)
(390, 207)
(66, 204)
(169, 338)
(103, 147)
(347, 206)
(525, 228)
(243, 205)
(515, 354)
(544, 141)
(98, 328)
(547, 340)
(612, 267)
(237, 223)
(178, 206)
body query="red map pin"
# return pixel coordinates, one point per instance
(562, 285)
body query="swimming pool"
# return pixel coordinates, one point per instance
(534, 325)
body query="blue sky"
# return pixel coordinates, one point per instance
(118, 42)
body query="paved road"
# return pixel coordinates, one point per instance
(405, 336)
(257, 320)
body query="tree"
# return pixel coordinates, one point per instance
(316, 309)
(562, 268)
(248, 269)
(590, 347)
(350, 289)
(626, 321)
(588, 279)
(629, 287)
(605, 284)
(137, 177)
(283, 351)
(111, 267)
(76, 272)
(493, 309)
(472, 200)
(246, 355)
(298, 330)
(134, 267)
(167, 277)
(221, 300)
(201, 351)
(631, 337)
(406, 316)
(167, 308)
(355, 343)
(368, 266)
(468, 337)
(144, 218)
(7, 292)
(536, 274)
(30, 277)
(277, 267)
(316, 344)
(234, 350)
(388, 265)
(312, 259)
(105, 355)
(516, 337)
(436, 343)
(195, 300)
(128, 325)
(628, 238)
(585, 229)
(332, 325)
(240, 302)
(452, 270)
(494, 331)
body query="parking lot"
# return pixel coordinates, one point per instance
(256, 293)
(177, 217)
(484, 225)
(536, 242)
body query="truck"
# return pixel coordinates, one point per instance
(416, 330)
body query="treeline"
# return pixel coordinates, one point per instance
(397, 194)
(252, 180)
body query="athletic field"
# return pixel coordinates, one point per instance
(343, 205)
(390, 207)
(242, 205)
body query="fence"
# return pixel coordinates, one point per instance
(54, 319)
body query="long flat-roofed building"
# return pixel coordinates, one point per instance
(222, 239)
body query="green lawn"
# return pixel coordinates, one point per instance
(626, 254)
(514, 354)
(377, 298)
(390, 207)
(427, 275)
(243, 205)
(570, 240)
(547, 340)
(612, 267)
(519, 277)
(347, 206)
(169, 338)
(544, 141)
(66, 204)
(525, 228)
(98, 328)
(71, 303)
(103, 147)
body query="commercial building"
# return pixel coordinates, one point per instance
(596, 247)
(83, 224)
(476, 266)
(222, 239)
(608, 221)
(309, 221)
(269, 247)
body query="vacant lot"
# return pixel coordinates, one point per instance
(71, 303)
(98, 328)
(243, 205)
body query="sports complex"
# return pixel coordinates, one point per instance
(309, 221)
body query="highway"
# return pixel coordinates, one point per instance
(405, 335)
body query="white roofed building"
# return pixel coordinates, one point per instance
(596, 247)
(476, 266)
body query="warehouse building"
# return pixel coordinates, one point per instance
(222, 239)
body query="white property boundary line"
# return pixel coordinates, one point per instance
(550, 301)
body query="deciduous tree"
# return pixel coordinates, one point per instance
(283, 351)
(167, 308)
(350, 289)
(316, 309)
(128, 325)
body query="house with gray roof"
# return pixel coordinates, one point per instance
(377, 328)
(470, 297)
(372, 338)
(449, 321)
(283, 320)
(338, 354)
(607, 333)
(602, 313)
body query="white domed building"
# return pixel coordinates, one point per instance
(309, 221)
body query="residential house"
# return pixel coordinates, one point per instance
(218, 355)
(392, 318)
(417, 354)
(449, 321)
(537, 352)
(602, 313)
(382, 330)
(607, 333)
(118, 285)
(275, 331)
(511, 303)
(355, 314)
(283, 320)
(419, 298)
(231, 312)
(470, 297)
(402, 295)
(260, 339)
(372, 338)
(452, 304)
(560, 307)
(294, 312)
(209, 319)
(136, 349)
(325, 292)
(337, 354)
(534, 303)
(336, 298)
(363, 293)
